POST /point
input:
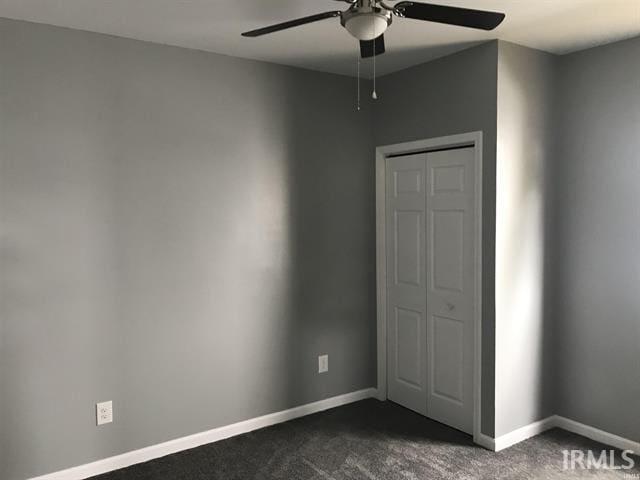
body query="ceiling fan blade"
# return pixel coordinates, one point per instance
(291, 23)
(463, 17)
(370, 47)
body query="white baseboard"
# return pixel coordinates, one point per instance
(596, 434)
(556, 421)
(381, 394)
(522, 433)
(485, 441)
(162, 449)
(185, 443)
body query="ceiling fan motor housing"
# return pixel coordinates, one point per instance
(366, 21)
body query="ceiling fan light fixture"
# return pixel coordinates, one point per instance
(366, 25)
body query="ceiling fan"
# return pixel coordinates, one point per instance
(367, 20)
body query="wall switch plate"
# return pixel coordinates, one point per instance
(104, 412)
(323, 363)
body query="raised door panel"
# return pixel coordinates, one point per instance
(447, 357)
(408, 229)
(408, 326)
(447, 249)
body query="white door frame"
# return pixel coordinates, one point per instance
(472, 139)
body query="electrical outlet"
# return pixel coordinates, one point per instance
(104, 412)
(323, 363)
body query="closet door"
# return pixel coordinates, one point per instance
(406, 191)
(450, 211)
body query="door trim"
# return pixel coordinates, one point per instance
(471, 139)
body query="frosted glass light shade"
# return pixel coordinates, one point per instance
(366, 26)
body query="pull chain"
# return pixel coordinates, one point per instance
(358, 67)
(374, 95)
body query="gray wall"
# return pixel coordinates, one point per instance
(597, 259)
(182, 233)
(524, 366)
(454, 94)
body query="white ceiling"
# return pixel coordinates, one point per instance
(558, 26)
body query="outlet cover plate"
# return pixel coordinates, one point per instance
(323, 363)
(104, 412)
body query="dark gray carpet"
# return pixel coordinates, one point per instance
(369, 440)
